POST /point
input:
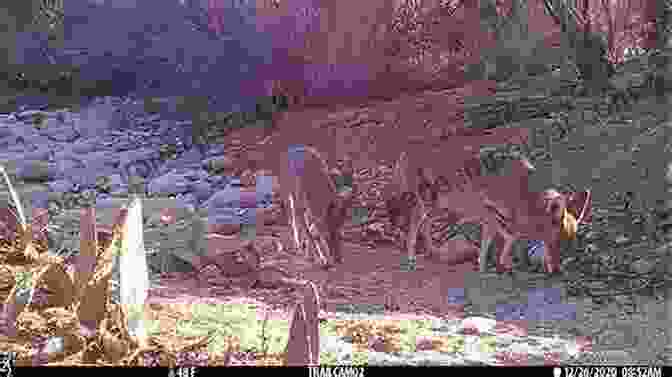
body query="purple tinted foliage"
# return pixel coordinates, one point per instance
(456, 296)
(40, 357)
(296, 156)
(544, 296)
(301, 21)
(143, 51)
(192, 359)
(300, 18)
(8, 319)
(337, 80)
(542, 305)
(87, 328)
(40, 199)
(40, 296)
(535, 249)
(151, 359)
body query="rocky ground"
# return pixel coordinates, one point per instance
(612, 284)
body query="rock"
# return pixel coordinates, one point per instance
(202, 190)
(341, 349)
(218, 244)
(218, 180)
(6, 132)
(101, 160)
(456, 296)
(121, 191)
(67, 166)
(84, 147)
(116, 183)
(83, 178)
(266, 184)
(225, 229)
(377, 343)
(191, 159)
(36, 171)
(544, 296)
(142, 154)
(551, 312)
(96, 118)
(591, 235)
(478, 324)
(169, 184)
(61, 186)
(232, 198)
(152, 209)
(591, 247)
(220, 165)
(195, 175)
(620, 240)
(424, 343)
(216, 150)
(59, 132)
(510, 312)
(643, 266)
(164, 262)
(189, 199)
(39, 154)
(141, 162)
(223, 218)
(28, 115)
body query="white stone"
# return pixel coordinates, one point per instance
(133, 273)
(482, 324)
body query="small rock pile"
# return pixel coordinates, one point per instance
(109, 148)
(112, 148)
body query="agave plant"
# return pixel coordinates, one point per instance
(24, 287)
(23, 279)
(26, 230)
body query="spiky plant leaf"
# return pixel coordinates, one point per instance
(15, 199)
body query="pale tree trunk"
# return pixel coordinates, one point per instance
(353, 33)
(514, 47)
(664, 14)
(588, 49)
(658, 17)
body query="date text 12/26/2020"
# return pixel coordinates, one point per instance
(610, 371)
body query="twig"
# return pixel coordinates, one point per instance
(15, 198)
(264, 339)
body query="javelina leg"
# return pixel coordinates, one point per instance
(315, 238)
(417, 217)
(487, 236)
(294, 222)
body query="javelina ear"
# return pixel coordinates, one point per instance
(551, 194)
(580, 205)
(527, 164)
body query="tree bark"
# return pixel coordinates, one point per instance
(588, 48)
(513, 51)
